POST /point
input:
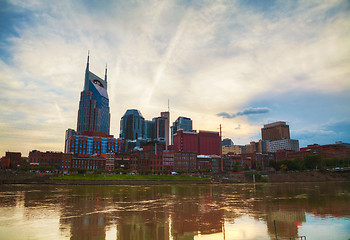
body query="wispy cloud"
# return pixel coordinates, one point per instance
(248, 111)
(207, 57)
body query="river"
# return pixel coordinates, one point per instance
(239, 211)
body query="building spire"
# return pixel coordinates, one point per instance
(86, 82)
(106, 73)
(88, 58)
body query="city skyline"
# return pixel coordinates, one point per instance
(241, 64)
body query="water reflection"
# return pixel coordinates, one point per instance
(175, 212)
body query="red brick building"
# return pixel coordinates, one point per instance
(202, 143)
(61, 161)
(148, 159)
(90, 144)
(209, 143)
(168, 160)
(185, 141)
(90, 163)
(12, 160)
(185, 161)
(328, 151)
(110, 159)
(122, 161)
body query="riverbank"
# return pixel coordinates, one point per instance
(98, 179)
(105, 179)
(312, 176)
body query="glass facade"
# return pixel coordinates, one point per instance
(132, 125)
(93, 114)
(181, 123)
(95, 145)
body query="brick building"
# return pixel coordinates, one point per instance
(184, 141)
(12, 160)
(211, 162)
(185, 161)
(89, 144)
(122, 161)
(110, 158)
(148, 159)
(209, 143)
(201, 143)
(275, 131)
(90, 163)
(329, 150)
(168, 160)
(61, 161)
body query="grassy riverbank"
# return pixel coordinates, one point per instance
(126, 177)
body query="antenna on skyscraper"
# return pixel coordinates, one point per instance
(106, 73)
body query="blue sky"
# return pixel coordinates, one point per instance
(241, 64)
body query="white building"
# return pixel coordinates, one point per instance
(284, 144)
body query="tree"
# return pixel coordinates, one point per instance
(313, 161)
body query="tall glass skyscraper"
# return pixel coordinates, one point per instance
(132, 125)
(93, 114)
(183, 123)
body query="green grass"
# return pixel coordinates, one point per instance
(131, 177)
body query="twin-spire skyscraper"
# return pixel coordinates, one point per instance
(93, 113)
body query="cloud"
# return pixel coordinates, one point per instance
(248, 111)
(325, 133)
(200, 55)
(341, 127)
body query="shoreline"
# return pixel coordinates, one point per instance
(291, 177)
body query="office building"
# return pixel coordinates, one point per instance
(183, 123)
(159, 124)
(237, 149)
(61, 161)
(166, 116)
(93, 114)
(284, 144)
(89, 145)
(132, 125)
(150, 130)
(227, 142)
(12, 160)
(69, 132)
(203, 142)
(209, 143)
(275, 131)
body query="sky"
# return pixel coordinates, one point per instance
(239, 63)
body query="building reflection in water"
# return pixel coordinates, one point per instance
(178, 212)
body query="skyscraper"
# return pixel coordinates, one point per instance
(275, 131)
(132, 125)
(166, 115)
(181, 123)
(93, 114)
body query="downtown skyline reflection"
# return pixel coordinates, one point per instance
(175, 212)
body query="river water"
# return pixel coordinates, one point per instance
(240, 211)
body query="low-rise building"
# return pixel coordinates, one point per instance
(89, 144)
(89, 163)
(61, 161)
(185, 161)
(232, 149)
(284, 144)
(168, 160)
(12, 160)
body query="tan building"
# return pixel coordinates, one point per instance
(233, 149)
(275, 131)
(252, 147)
(167, 127)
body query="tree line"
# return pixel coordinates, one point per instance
(310, 163)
